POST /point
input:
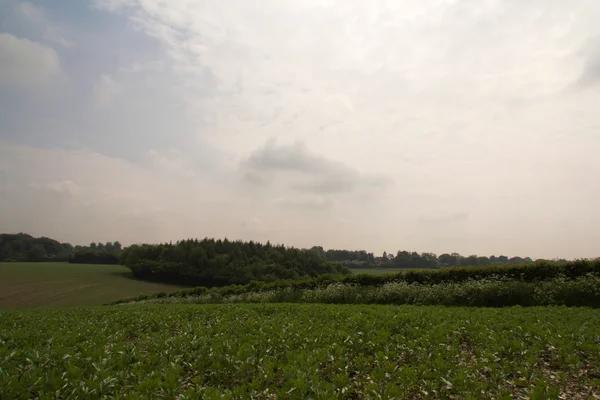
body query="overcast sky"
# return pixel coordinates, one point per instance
(425, 125)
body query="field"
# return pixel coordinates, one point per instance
(300, 351)
(26, 285)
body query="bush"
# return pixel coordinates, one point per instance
(504, 285)
(583, 291)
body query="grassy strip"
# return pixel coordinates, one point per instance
(530, 273)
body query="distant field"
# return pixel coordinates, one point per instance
(25, 285)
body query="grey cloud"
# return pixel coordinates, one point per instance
(304, 170)
(294, 157)
(591, 71)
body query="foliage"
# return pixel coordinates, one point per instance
(99, 253)
(509, 277)
(24, 247)
(94, 257)
(584, 291)
(211, 262)
(406, 259)
(299, 352)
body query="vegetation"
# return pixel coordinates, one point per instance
(23, 247)
(211, 262)
(574, 283)
(62, 284)
(404, 259)
(108, 253)
(299, 352)
(486, 293)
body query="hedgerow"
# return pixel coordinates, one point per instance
(498, 285)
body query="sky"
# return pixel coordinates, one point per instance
(468, 126)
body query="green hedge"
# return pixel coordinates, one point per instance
(529, 273)
(582, 291)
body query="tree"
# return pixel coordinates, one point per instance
(483, 261)
(37, 253)
(93, 245)
(447, 260)
(429, 260)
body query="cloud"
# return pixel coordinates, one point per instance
(66, 186)
(591, 69)
(436, 219)
(304, 201)
(36, 17)
(82, 196)
(25, 62)
(304, 170)
(462, 103)
(172, 161)
(105, 92)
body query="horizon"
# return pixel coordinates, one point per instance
(392, 252)
(437, 126)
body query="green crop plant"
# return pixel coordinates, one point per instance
(300, 351)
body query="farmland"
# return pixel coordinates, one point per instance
(388, 336)
(300, 351)
(26, 285)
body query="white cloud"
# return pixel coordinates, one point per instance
(474, 111)
(106, 90)
(66, 186)
(365, 76)
(172, 161)
(25, 62)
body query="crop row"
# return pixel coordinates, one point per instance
(283, 351)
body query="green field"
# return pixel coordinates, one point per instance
(26, 285)
(284, 351)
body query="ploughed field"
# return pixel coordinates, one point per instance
(299, 351)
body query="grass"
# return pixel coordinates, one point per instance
(291, 351)
(26, 285)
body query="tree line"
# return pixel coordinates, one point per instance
(406, 259)
(24, 247)
(212, 262)
(97, 253)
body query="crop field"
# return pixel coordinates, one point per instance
(62, 284)
(299, 351)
